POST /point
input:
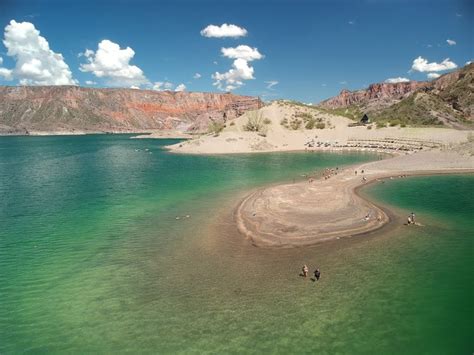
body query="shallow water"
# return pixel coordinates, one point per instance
(92, 257)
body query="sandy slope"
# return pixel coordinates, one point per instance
(234, 139)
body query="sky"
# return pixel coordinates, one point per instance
(292, 49)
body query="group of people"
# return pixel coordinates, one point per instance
(305, 271)
(411, 218)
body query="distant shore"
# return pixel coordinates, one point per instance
(156, 134)
(329, 207)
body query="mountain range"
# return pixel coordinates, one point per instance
(70, 109)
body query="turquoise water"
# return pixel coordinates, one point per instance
(93, 259)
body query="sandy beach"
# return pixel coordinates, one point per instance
(329, 207)
(337, 135)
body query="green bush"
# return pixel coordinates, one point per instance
(320, 125)
(295, 124)
(267, 121)
(232, 123)
(216, 128)
(256, 123)
(381, 124)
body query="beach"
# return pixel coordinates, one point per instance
(328, 207)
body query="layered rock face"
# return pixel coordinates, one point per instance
(448, 100)
(383, 93)
(69, 108)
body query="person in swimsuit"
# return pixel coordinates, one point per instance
(305, 270)
(317, 274)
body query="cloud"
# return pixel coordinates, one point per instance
(397, 80)
(323, 85)
(135, 87)
(36, 63)
(224, 30)
(468, 62)
(451, 42)
(160, 86)
(90, 82)
(197, 76)
(343, 82)
(242, 52)
(271, 84)
(180, 87)
(420, 64)
(433, 75)
(351, 22)
(240, 71)
(112, 63)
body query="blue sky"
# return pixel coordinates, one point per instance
(313, 49)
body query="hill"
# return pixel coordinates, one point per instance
(73, 109)
(448, 100)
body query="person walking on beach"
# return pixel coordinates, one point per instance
(305, 270)
(317, 274)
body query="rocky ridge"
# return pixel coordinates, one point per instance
(448, 100)
(26, 109)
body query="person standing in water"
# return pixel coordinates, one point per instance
(305, 270)
(317, 274)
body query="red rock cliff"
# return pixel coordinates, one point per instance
(69, 108)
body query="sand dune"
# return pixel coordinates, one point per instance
(336, 136)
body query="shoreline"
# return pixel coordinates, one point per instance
(280, 216)
(146, 134)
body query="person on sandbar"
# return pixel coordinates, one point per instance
(412, 215)
(317, 274)
(305, 270)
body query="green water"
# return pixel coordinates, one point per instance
(93, 259)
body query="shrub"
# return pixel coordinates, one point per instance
(394, 123)
(403, 125)
(320, 125)
(216, 127)
(310, 123)
(295, 124)
(381, 124)
(369, 127)
(232, 123)
(256, 123)
(267, 121)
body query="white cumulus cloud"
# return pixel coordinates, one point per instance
(160, 86)
(242, 52)
(451, 42)
(240, 71)
(180, 87)
(421, 64)
(90, 82)
(197, 76)
(433, 75)
(36, 63)
(271, 84)
(224, 30)
(112, 63)
(397, 80)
